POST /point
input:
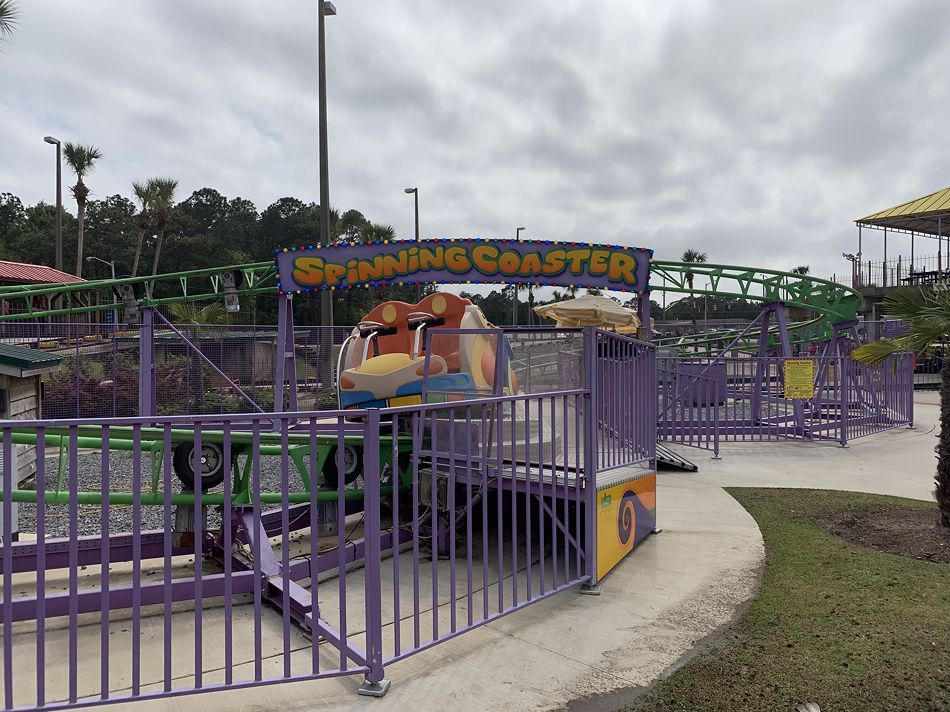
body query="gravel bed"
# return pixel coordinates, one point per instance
(120, 480)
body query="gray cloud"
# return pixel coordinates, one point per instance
(754, 131)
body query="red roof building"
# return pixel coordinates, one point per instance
(23, 273)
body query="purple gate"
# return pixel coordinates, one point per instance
(337, 543)
(704, 401)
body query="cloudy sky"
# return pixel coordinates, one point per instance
(755, 131)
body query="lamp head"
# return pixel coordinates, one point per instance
(411, 190)
(51, 140)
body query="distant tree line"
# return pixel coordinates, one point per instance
(207, 229)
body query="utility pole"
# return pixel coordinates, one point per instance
(326, 296)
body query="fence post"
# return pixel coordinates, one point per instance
(591, 420)
(716, 415)
(908, 369)
(844, 400)
(374, 684)
(147, 364)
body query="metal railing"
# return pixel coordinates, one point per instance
(897, 271)
(703, 402)
(134, 588)
(99, 374)
(328, 543)
(689, 396)
(624, 369)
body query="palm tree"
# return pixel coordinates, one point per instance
(801, 269)
(692, 257)
(145, 195)
(162, 202)
(928, 314)
(81, 159)
(191, 314)
(8, 18)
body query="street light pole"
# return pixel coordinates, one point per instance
(115, 302)
(326, 297)
(59, 200)
(415, 194)
(514, 311)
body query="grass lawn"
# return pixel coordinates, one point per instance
(846, 627)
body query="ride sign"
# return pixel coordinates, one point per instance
(799, 376)
(529, 262)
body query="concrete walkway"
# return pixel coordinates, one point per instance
(677, 588)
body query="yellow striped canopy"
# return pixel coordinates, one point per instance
(929, 215)
(591, 310)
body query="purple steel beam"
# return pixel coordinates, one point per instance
(121, 597)
(786, 352)
(557, 521)
(281, 591)
(89, 549)
(766, 315)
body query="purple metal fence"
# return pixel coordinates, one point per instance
(99, 375)
(878, 397)
(625, 369)
(165, 608)
(372, 536)
(492, 512)
(705, 401)
(689, 397)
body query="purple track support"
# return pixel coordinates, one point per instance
(786, 352)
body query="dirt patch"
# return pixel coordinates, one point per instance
(896, 530)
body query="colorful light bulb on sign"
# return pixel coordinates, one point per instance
(556, 264)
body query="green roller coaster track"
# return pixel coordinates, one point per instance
(827, 303)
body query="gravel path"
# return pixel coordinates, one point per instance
(120, 480)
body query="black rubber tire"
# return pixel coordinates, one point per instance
(213, 455)
(352, 465)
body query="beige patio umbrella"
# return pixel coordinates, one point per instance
(591, 310)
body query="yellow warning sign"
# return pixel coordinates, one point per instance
(799, 378)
